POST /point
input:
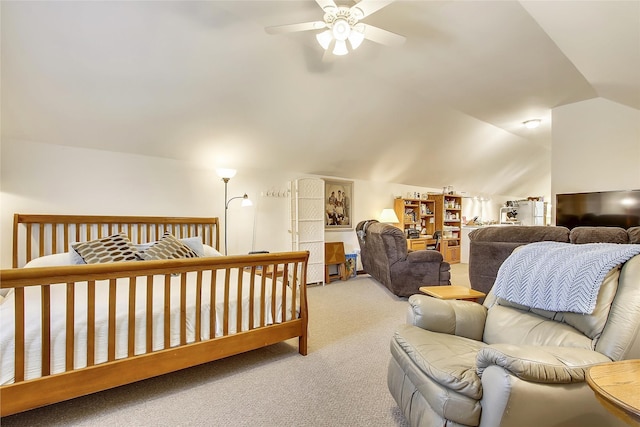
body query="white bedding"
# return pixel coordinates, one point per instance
(58, 302)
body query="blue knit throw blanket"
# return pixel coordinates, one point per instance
(559, 276)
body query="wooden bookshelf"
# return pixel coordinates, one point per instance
(448, 220)
(419, 215)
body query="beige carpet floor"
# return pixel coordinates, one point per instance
(341, 382)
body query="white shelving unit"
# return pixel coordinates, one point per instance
(307, 224)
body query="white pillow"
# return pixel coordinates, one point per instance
(210, 251)
(64, 258)
(53, 260)
(195, 243)
(75, 256)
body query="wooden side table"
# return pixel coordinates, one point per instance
(452, 292)
(617, 385)
(334, 255)
(269, 271)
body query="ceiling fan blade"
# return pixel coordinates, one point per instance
(367, 7)
(326, 3)
(381, 36)
(291, 28)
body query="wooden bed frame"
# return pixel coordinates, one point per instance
(39, 235)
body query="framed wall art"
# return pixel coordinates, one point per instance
(338, 196)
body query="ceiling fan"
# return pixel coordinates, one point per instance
(342, 24)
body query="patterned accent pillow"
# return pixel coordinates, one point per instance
(115, 248)
(195, 243)
(168, 247)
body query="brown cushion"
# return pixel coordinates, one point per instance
(634, 235)
(580, 235)
(520, 234)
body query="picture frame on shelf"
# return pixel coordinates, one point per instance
(338, 195)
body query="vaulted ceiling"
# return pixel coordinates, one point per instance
(203, 82)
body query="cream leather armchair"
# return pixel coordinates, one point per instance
(458, 363)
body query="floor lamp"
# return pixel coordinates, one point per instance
(226, 175)
(389, 216)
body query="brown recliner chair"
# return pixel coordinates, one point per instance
(384, 255)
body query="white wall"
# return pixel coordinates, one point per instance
(596, 147)
(45, 178)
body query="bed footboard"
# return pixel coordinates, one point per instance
(125, 322)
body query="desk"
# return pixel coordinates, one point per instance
(617, 386)
(452, 292)
(421, 243)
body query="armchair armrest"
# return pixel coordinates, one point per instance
(541, 364)
(453, 317)
(426, 255)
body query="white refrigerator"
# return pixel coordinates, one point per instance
(531, 213)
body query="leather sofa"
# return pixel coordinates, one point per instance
(384, 256)
(459, 363)
(490, 246)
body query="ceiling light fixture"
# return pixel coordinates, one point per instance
(342, 24)
(532, 124)
(341, 29)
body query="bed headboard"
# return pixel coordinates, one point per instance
(38, 235)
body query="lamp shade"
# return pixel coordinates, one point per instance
(340, 48)
(356, 36)
(325, 38)
(389, 216)
(226, 173)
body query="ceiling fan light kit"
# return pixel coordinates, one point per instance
(340, 48)
(325, 38)
(340, 29)
(356, 36)
(341, 23)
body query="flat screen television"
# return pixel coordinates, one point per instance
(605, 208)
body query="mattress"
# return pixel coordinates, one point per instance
(33, 344)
